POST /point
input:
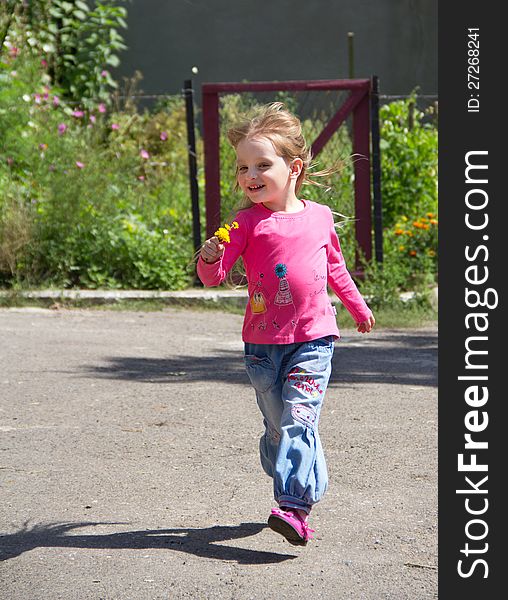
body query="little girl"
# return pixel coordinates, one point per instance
(290, 252)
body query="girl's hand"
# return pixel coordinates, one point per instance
(366, 326)
(212, 250)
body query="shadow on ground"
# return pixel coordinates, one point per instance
(406, 359)
(200, 542)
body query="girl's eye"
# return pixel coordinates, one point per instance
(264, 165)
(242, 169)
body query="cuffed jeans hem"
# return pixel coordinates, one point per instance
(292, 502)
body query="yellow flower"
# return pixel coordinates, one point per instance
(399, 231)
(430, 215)
(433, 221)
(402, 248)
(223, 232)
(431, 253)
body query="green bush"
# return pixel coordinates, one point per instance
(77, 42)
(409, 196)
(97, 194)
(409, 161)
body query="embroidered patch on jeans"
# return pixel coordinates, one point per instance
(303, 381)
(303, 414)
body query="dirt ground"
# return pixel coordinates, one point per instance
(129, 465)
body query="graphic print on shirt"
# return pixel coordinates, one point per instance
(258, 300)
(283, 296)
(319, 280)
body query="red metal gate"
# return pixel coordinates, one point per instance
(357, 103)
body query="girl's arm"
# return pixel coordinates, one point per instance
(343, 285)
(216, 259)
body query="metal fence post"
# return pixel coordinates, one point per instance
(211, 132)
(351, 53)
(193, 172)
(376, 169)
(363, 206)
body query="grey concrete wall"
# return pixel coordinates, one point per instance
(235, 40)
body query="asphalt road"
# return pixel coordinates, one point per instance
(129, 466)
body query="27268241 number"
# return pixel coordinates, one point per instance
(473, 59)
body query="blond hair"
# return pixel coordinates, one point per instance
(284, 129)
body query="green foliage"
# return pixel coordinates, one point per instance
(383, 286)
(91, 198)
(409, 195)
(413, 246)
(409, 161)
(77, 41)
(98, 195)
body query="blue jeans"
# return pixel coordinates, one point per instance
(290, 382)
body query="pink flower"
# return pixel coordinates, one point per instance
(78, 114)
(13, 52)
(56, 100)
(104, 73)
(92, 119)
(37, 98)
(164, 136)
(115, 126)
(79, 164)
(62, 128)
(43, 147)
(144, 154)
(101, 108)
(141, 177)
(44, 63)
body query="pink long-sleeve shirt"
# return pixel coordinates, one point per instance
(289, 260)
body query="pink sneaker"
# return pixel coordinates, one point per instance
(291, 525)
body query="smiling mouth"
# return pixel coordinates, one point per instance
(255, 188)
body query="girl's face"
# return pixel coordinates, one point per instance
(264, 176)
